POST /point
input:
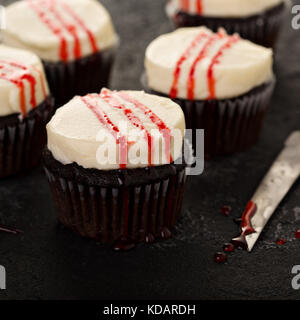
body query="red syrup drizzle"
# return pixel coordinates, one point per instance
(200, 56)
(18, 81)
(110, 98)
(174, 89)
(199, 7)
(185, 5)
(163, 129)
(83, 26)
(215, 60)
(51, 5)
(23, 67)
(54, 28)
(111, 128)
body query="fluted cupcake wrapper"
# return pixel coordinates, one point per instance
(262, 29)
(230, 125)
(23, 139)
(136, 214)
(79, 77)
(131, 214)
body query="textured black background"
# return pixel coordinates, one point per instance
(49, 262)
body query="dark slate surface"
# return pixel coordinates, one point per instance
(49, 262)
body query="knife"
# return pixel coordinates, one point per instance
(282, 175)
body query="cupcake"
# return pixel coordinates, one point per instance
(25, 109)
(222, 83)
(113, 166)
(74, 38)
(256, 20)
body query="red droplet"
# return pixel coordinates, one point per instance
(228, 247)
(220, 257)
(297, 234)
(281, 241)
(225, 210)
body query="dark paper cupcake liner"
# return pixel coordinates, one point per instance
(22, 140)
(230, 125)
(262, 29)
(119, 206)
(79, 77)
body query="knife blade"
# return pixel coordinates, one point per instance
(279, 179)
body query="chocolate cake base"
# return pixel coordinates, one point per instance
(230, 125)
(262, 29)
(23, 139)
(79, 77)
(117, 206)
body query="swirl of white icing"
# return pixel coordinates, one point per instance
(102, 130)
(196, 63)
(59, 29)
(23, 85)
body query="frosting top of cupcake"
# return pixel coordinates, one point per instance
(59, 30)
(117, 129)
(197, 64)
(23, 85)
(221, 8)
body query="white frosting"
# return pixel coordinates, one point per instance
(241, 68)
(223, 8)
(11, 60)
(25, 29)
(75, 134)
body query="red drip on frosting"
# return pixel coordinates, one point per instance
(215, 60)
(83, 26)
(111, 99)
(111, 128)
(163, 129)
(32, 82)
(23, 67)
(201, 55)
(174, 89)
(55, 29)
(185, 5)
(51, 6)
(199, 7)
(17, 79)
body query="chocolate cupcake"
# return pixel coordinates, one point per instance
(256, 20)
(74, 38)
(111, 166)
(223, 84)
(25, 109)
